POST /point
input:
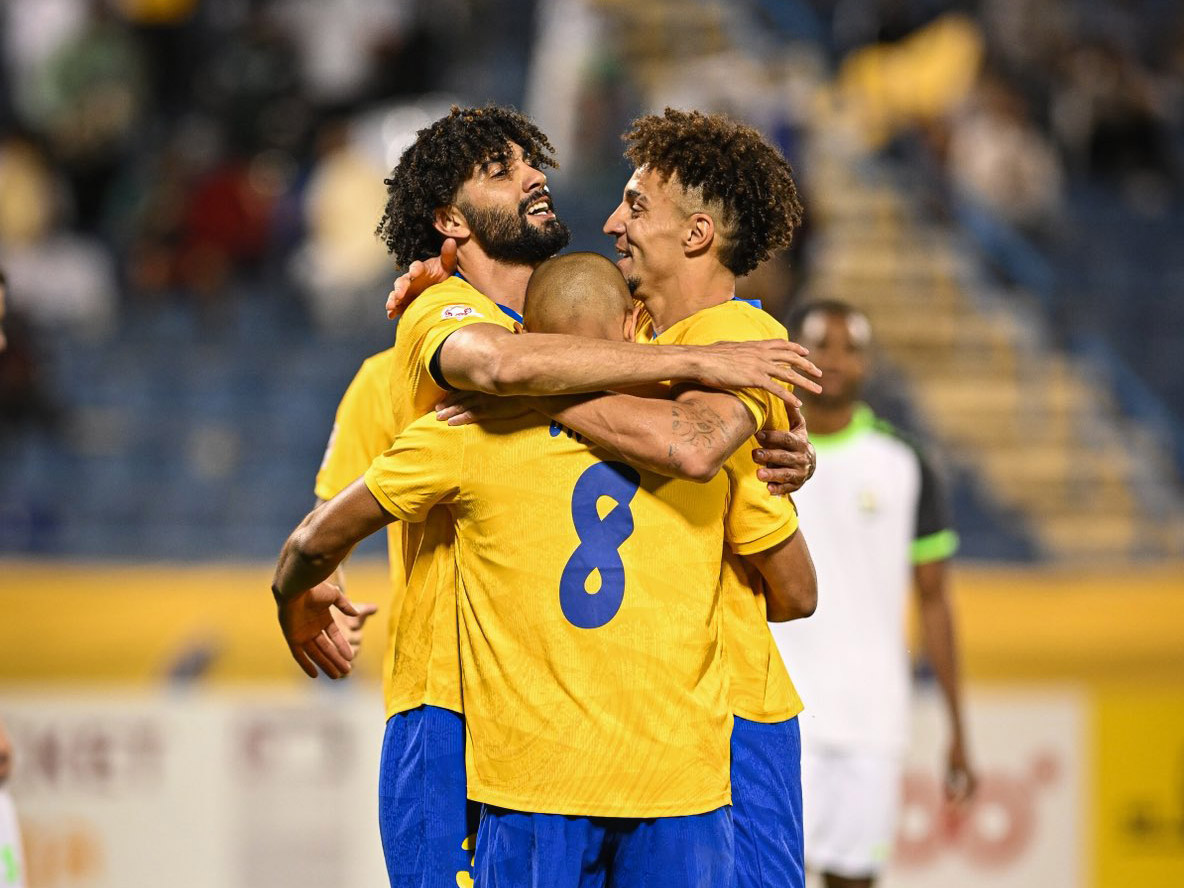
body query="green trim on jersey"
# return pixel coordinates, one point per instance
(12, 869)
(935, 547)
(862, 420)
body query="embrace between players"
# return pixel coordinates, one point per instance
(581, 685)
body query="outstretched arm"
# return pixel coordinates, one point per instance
(937, 632)
(791, 586)
(309, 557)
(488, 358)
(351, 625)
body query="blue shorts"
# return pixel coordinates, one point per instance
(517, 849)
(767, 803)
(424, 818)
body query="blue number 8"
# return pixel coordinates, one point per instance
(600, 540)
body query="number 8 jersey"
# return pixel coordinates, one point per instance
(589, 611)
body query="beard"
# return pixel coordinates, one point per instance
(509, 237)
(633, 282)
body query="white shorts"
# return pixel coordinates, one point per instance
(850, 801)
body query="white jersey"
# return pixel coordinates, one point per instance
(872, 510)
(12, 861)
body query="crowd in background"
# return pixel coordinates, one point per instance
(158, 155)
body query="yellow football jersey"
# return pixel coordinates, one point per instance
(589, 606)
(362, 429)
(425, 668)
(761, 689)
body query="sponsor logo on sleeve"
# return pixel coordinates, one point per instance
(457, 312)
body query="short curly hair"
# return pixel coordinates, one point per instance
(733, 168)
(431, 171)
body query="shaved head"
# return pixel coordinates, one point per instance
(583, 294)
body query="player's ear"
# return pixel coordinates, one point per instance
(631, 321)
(699, 234)
(451, 222)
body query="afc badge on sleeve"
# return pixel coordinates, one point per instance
(457, 312)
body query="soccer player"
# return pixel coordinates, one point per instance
(708, 201)
(12, 862)
(596, 705)
(476, 177)
(877, 523)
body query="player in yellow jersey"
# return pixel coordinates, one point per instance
(475, 176)
(709, 200)
(595, 697)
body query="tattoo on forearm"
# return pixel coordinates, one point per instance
(694, 425)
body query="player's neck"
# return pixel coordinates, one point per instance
(828, 419)
(686, 292)
(505, 284)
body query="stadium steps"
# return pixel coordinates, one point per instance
(1046, 440)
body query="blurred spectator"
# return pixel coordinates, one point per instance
(1106, 116)
(63, 278)
(342, 45)
(28, 193)
(342, 261)
(23, 400)
(90, 98)
(251, 85)
(999, 159)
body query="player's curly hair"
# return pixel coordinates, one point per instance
(733, 168)
(432, 170)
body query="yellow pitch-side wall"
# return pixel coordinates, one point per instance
(105, 622)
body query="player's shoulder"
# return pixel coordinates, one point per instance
(378, 365)
(453, 299)
(891, 435)
(740, 320)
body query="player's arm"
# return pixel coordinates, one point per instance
(791, 585)
(933, 545)
(688, 437)
(488, 358)
(351, 625)
(938, 636)
(309, 557)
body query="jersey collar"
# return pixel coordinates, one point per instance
(755, 303)
(505, 308)
(862, 420)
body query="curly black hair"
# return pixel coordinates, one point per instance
(432, 170)
(731, 166)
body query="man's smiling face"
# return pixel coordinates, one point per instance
(647, 228)
(508, 208)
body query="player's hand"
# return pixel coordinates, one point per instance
(313, 637)
(5, 756)
(462, 408)
(787, 458)
(766, 364)
(419, 276)
(351, 626)
(960, 782)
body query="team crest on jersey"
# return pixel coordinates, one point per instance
(868, 504)
(456, 312)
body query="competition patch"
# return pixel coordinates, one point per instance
(456, 312)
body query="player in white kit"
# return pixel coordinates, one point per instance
(877, 522)
(12, 862)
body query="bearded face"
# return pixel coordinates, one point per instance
(510, 236)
